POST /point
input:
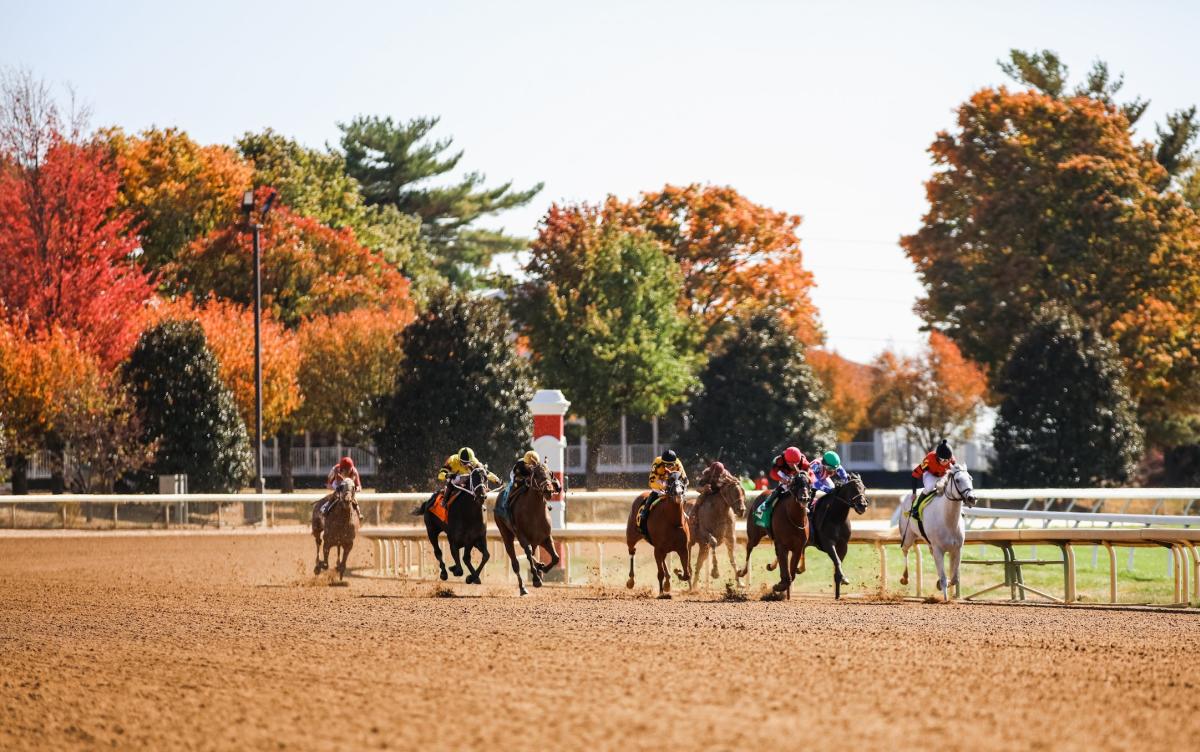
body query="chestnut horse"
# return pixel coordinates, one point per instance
(529, 524)
(338, 527)
(789, 531)
(668, 530)
(711, 518)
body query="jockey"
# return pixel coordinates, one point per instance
(785, 468)
(663, 466)
(343, 470)
(710, 477)
(932, 469)
(520, 473)
(461, 463)
(828, 472)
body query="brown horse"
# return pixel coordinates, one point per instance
(529, 523)
(338, 527)
(789, 531)
(668, 530)
(711, 518)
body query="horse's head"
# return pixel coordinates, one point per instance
(343, 489)
(674, 486)
(959, 486)
(853, 492)
(734, 495)
(477, 482)
(543, 481)
(801, 487)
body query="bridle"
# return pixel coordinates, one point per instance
(791, 491)
(954, 492)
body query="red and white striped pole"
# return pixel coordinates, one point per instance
(549, 409)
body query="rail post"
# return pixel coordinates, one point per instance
(549, 408)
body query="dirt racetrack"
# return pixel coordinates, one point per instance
(225, 641)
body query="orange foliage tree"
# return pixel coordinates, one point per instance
(848, 386)
(737, 257)
(347, 363)
(54, 394)
(176, 189)
(308, 270)
(934, 394)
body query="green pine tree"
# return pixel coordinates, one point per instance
(1066, 419)
(758, 395)
(172, 376)
(395, 162)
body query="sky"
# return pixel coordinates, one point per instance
(821, 109)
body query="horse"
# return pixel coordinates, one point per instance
(465, 526)
(942, 523)
(338, 527)
(831, 524)
(529, 524)
(789, 531)
(668, 531)
(711, 518)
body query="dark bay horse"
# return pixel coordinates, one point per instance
(711, 518)
(668, 532)
(337, 528)
(465, 526)
(831, 524)
(789, 531)
(530, 524)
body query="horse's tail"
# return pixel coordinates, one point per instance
(896, 514)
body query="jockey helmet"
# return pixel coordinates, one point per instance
(346, 464)
(943, 451)
(669, 456)
(718, 468)
(792, 455)
(466, 454)
(831, 459)
(532, 458)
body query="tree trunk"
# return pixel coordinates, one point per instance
(58, 468)
(592, 475)
(286, 483)
(19, 465)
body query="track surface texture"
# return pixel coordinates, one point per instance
(226, 642)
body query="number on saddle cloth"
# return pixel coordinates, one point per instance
(762, 515)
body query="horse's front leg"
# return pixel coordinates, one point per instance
(535, 574)
(472, 576)
(732, 566)
(482, 547)
(939, 555)
(781, 556)
(548, 546)
(955, 560)
(317, 567)
(456, 553)
(664, 577)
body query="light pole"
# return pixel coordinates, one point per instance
(256, 228)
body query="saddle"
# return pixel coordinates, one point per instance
(440, 508)
(643, 514)
(917, 510)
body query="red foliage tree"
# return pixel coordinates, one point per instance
(65, 254)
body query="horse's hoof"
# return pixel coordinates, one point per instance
(771, 566)
(444, 577)
(537, 582)
(904, 580)
(629, 583)
(845, 581)
(664, 596)
(456, 571)
(524, 591)
(317, 569)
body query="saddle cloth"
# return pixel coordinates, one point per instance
(643, 515)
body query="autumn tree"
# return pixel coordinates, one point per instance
(737, 257)
(934, 394)
(757, 396)
(176, 189)
(308, 270)
(399, 165)
(1044, 196)
(600, 309)
(65, 248)
(847, 387)
(187, 411)
(54, 395)
(315, 183)
(1066, 416)
(463, 384)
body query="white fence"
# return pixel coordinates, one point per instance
(306, 461)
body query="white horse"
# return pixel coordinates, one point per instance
(943, 522)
